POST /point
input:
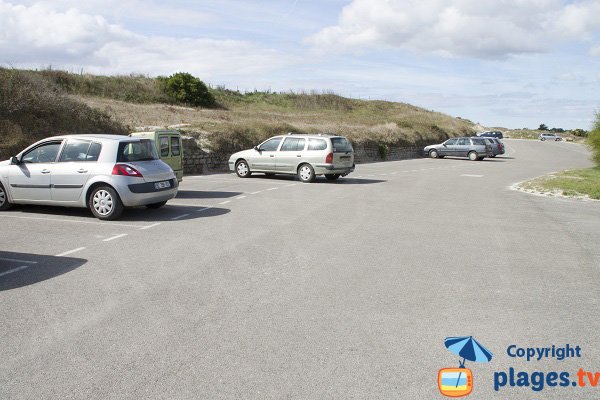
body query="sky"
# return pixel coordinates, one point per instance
(505, 63)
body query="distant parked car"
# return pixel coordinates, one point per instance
(549, 136)
(104, 173)
(497, 146)
(494, 134)
(303, 155)
(169, 148)
(475, 148)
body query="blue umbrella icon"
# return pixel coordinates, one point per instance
(469, 349)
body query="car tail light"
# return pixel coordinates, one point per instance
(126, 170)
(329, 158)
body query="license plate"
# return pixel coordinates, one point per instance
(162, 185)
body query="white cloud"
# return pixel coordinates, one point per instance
(595, 51)
(474, 28)
(36, 35)
(566, 76)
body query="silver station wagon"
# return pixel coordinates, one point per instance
(303, 155)
(102, 172)
(475, 148)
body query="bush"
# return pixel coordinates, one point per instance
(594, 140)
(187, 89)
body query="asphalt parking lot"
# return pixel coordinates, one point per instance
(271, 288)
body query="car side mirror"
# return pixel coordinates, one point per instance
(15, 161)
(257, 149)
(445, 145)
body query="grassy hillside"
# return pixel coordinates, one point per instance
(121, 103)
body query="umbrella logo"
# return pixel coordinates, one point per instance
(458, 382)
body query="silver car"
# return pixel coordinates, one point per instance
(550, 136)
(475, 148)
(303, 155)
(102, 172)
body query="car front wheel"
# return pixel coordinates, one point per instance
(306, 173)
(242, 169)
(473, 156)
(4, 203)
(433, 154)
(105, 203)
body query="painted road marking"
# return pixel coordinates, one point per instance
(70, 252)
(179, 217)
(150, 226)
(115, 237)
(22, 267)
(256, 192)
(225, 202)
(240, 197)
(273, 188)
(472, 176)
(108, 224)
(204, 209)
(18, 261)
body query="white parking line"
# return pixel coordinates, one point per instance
(240, 197)
(472, 176)
(293, 184)
(204, 209)
(272, 188)
(70, 252)
(107, 224)
(115, 237)
(179, 217)
(18, 261)
(225, 202)
(257, 192)
(150, 226)
(22, 267)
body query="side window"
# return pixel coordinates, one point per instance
(450, 142)
(317, 144)
(293, 144)
(75, 150)
(271, 144)
(94, 152)
(480, 142)
(175, 151)
(164, 146)
(44, 153)
(463, 142)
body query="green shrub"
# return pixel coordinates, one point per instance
(594, 140)
(187, 89)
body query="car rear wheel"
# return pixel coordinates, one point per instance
(473, 156)
(433, 154)
(105, 203)
(4, 203)
(156, 205)
(542, 139)
(242, 169)
(332, 177)
(306, 173)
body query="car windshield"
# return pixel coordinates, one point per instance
(142, 150)
(341, 145)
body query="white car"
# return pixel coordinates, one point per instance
(549, 136)
(104, 173)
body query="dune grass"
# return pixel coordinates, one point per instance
(571, 183)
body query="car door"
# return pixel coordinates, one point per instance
(30, 179)
(290, 154)
(462, 147)
(447, 148)
(72, 171)
(263, 158)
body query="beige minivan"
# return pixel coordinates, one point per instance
(169, 148)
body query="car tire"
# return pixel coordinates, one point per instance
(542, 139)
(306, 173)
(242, 169)
(332, 177)
(4, 203)
(105, 203)
(473, 156)
(156, 205)
(433, 154)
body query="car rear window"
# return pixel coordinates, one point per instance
(341, 145)
(142, 150)
(317, 144)
(478, 141)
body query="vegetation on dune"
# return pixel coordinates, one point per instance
(580, 182)
(594, 140)
(227, 120)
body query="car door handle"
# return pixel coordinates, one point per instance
(45, 171)
(299, 155)
(82, 171)
(271, 155)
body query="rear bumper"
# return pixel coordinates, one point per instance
(141, 194)
(322, 169)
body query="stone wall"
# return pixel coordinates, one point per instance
(197, 160)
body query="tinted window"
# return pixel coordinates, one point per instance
(450, 142)
(94, 152)
(164, 146)
(478, 141)
(42, 154)
(317, 144)
(175, 150)
(75, 150)
(340, 145)
(463, 142)
(271, 144)
(142, 150)
(293, 144)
